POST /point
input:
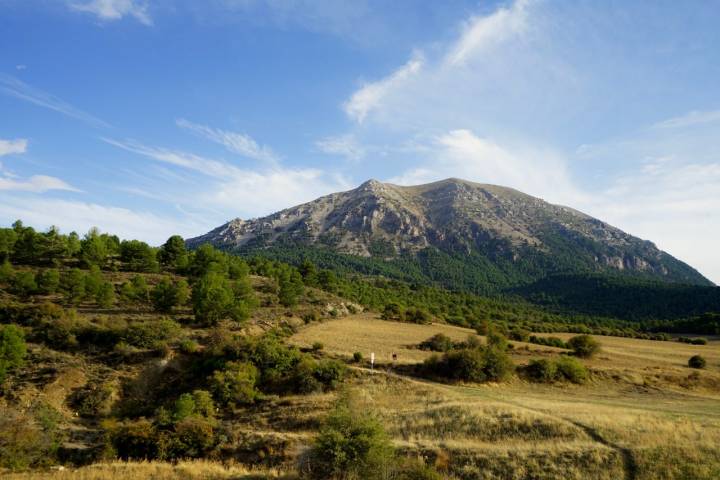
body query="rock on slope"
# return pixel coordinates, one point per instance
(462, 218)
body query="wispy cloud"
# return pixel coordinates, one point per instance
(690, 119)
(14, 87)
(78, 216)
(371, 95)
(462, 153)
(8, 147)
(35, 184)
(343, 145)
(109, 10)
(239, 143)
(488, 31)
(242, 191)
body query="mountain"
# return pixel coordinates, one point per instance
(460, 234)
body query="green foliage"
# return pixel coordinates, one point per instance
(173, 253)
(24, 284)
(138, 256)
(95, 248)
(105, 296)
(73, 284)
(438, 343)
(317, 346)
(351, 445)
(93, 281)
(543, 370)
(135, 291)
(477, 364)
(693, 341)
(548, 341)
(12, 349)
(48, 281)
(235, 384)
(290, 286)
(168, 294)
(357, 357)
(552, 370)
(584, 346)
(7, 272)
(572, 370)
(151, 334)
(697, 361)
(214, 299)
(29, 439)
(8, 237)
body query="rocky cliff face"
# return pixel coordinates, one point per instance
(384, 220)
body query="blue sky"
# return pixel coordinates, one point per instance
(148, 118)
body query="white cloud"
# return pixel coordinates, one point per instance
(672, 203)
(370, 96)
(690, 119)
(485, 32)
(16, 88)
(461, 153)
(241, 191)
(36, 184)
(81, 216)
(343, 145)
(109, 10)
(8, 147)
(239, 143)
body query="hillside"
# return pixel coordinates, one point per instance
(462, 235)
(120, 359)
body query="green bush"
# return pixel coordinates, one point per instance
(478, 364)
(235, 384)
(543, 370)
(73, 284)
(351, 445)
(571, 369)
(105, 296)
(552, 370)
(7, 272)
(152, 333)
(317, 346)
(438, 343)
(167, 294)
(584, 346)
(48, 281)
(23, 284)
(357, 357)
(697, 361)
(415, 470)
(12, 349)
(214, 299)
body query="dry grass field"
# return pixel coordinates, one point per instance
(644, 414)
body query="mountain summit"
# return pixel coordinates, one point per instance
(514, 237)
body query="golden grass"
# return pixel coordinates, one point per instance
(365, 333)
(185, 470)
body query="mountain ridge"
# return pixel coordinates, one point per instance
(500, 227)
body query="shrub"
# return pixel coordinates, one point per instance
(151, 334)
(192, 437)
(329, 373)
(351, 444)
(135, 440)
(48, 281)
(12, 349)
(437, 343)
(519, 334)
(189, 346)
(548, 341)
(73, 284)
(105, 296)
(416, 470)
(498, 365)
(584, 346)
(697, 361)
(317, 346)
(357, 357)
(235, 385)
(168, 294)
(214, 300)
(6, 271)
(544, 370)
(572, 370)
(24, 284)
